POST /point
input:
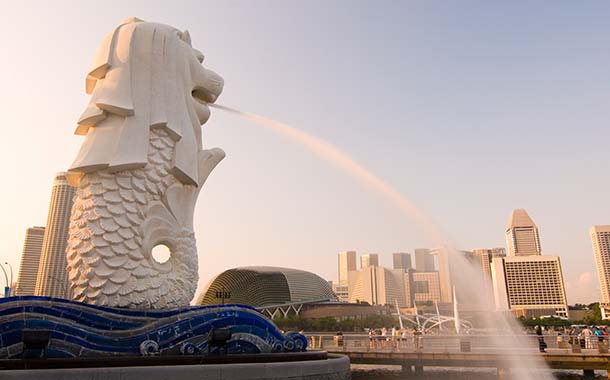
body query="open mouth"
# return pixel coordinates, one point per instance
(203, 96)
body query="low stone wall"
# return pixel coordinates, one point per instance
(336, 367)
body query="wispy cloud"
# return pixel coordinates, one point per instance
(583, 288)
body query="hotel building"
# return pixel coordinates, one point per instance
(30, 260)
(526, 282)
(401, 260)
(522, 236)
(600, 239)
(369, 260)
(52, 278)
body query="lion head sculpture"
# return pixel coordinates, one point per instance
(140, 169)
(145, 75)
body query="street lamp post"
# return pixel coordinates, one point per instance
(7, 288)
(10, 267)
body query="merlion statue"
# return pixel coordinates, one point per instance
(140, 169)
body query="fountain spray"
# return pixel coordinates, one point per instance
(469, 287)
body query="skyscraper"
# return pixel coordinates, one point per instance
(522, 235)
(401, 260)
(486, 255)
(52, 276)
(347, 263)
(369, 260)
(530, 286)
(30, 260)
(378, 286)
(600, 239)
(424, 261)
(526, 282)
(423, 287)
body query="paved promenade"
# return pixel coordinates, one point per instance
(414, 354)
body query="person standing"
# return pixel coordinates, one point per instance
(598, 334)
(541, 342)
(585, 337)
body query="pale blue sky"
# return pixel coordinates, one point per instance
(469, 108)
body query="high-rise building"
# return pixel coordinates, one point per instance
(347, 263)
(529, 285)
(378, 286)
(401, 260)
(30, 260)
(522, 235)
(52, 278)
(600, 239)
(424, 261)
(369, 260)
(381, 286)
(450, 264)
(526, 282)
(486, 255)
(422, 287)
(443, 257)
(342, 291)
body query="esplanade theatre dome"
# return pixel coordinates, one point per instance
(262, 286)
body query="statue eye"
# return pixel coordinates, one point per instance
(199, 55)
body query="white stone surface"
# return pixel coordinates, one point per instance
(140, 168)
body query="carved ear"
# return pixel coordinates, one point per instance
(186, 37)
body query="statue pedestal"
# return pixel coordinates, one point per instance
(299, 366)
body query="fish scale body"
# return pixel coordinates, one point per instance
(107, 262)
(140, 169)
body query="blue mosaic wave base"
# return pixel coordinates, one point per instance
(81, 330)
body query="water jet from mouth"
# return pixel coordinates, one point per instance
(342, 160)
(464, 276)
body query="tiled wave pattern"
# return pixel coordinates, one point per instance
(81, 330)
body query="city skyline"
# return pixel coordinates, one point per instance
(522, 241)
(446, 127)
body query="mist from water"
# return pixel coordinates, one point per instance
(464, 276)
